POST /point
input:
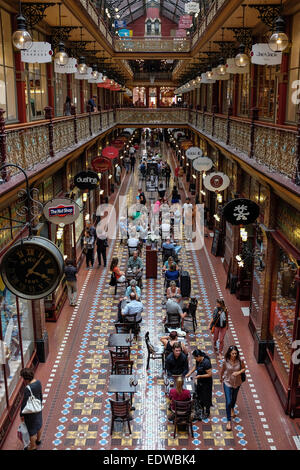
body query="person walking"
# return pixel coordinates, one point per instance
(67, 106)
(231, 375)
(102, 244)
(167, 174)
(71, 281)
(219, 325)
(127, 163)
(132, 161)
(204, 386)
(33, 421)
(118, 173)
(88, 247)
(188, 219)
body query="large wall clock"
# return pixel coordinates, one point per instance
(32, 268)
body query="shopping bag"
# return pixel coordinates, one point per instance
(23, 434)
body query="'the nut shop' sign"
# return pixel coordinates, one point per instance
(61, 210)
(86, 180)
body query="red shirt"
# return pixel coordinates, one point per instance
(185, 395)
(176, 171)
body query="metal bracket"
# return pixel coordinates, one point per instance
(243, 35)
(268, 13)
(35, 12)
(60, 34)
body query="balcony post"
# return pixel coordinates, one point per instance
(196, 123)
(203, 120)
(49, 116)
(229, 113)
(214, 108)
(100, 118)
(297, 177)
(107, 118)
(3, 146)
(254, 117)
(89, 108)
(73, 113)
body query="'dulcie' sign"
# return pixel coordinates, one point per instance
(261, 54)
(86, 180)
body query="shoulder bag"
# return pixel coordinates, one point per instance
(33, 405)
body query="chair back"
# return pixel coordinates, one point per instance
(123, 327)
(173, 320)
(120, 409)
(150, 347)
(123, 367)
(130, 318)
(193, 307)
(119, 355)
(166, 253)
(183, 409)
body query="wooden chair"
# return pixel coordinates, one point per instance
(154, 353)
(117, 356)
(134, 325)
(182, 415)
(120, 411)
(117, 284)
(123, 328)
(191, 316)
(123, 367)
(173, 321)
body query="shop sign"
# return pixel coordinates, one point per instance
(185, 22)
(261, 54)
(61, 210)
(241, 211)
(70, 67)
(191, 7)
(120, 24)
(101, 164)
(231, 67)
(216, 181)
(110, 152)
(193, 152)
(87, 76)
(40, 52)
(180, 33)
(202, 164)
(186, 144)
(124, 33)
(86, 180)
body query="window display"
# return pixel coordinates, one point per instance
(258, 285)
(283, 312)
(17, 335)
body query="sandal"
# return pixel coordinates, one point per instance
(228, 427)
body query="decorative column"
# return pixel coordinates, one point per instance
(50, 84)
(69, 85)
(73, 113)
(283, 89)
(49, 115)
(41, 335)
(3, 147)
(20, 87)
(81, 98)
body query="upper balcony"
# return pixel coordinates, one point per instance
(270, 150)
(157, 47)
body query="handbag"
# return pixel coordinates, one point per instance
(243, 375)
(23, 434)
(33, 405)
(213, 327)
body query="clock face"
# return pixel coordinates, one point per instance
(32, 270)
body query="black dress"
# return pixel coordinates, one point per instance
(33, 421)
(204, 386)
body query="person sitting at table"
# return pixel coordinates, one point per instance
(133, 241)
(172, 274)
(173, 292)
(135, 264)
(168, 263)
(173, 307)
(178, 394)
(177, 362)
(120, 275)
(168, 342)
(133, 307)
(170, 246)
(133, 288)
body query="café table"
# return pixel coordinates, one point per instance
(120, 341)
(121, 384)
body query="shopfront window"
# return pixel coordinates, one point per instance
(60, 93)
(258, 285)
(8, 99)
(244, 94)
(266, 91)
(283, 312)
(227, 94)
(36, 95)
(17, 335)
(294, 73)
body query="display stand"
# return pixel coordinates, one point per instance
(151, 261)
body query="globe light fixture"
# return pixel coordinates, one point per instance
(209, 75)
(241, 59)
(221, 69)
(279, 41)
(61, 57)
(82, 67)
(95, 73)
(21, 38)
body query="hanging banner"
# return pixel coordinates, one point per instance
(180, 33)
(86, 76)
(61, 210)
(261, 54)
(70, 67)
(120, 24)
(205, 80)
(185, 22)
(202, 164)
(216, 181)
(86, 180)
(40, 52)
(110, 152)
(231, 67)
(193, 152)
(217, 76)
(241, 211)
(101, 164)
(191, 7)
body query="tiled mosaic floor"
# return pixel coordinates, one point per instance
(77, 410)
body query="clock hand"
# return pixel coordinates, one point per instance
(31, 270)
(44, 276)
